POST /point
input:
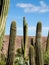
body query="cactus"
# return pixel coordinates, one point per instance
(4, 5)
(32, 55)
(47, 45)
(38, 45)
(32, 42)
(25, 37)
(11, 47)
(46, 54)
(22, 47)
(1, 2)
(24, 30)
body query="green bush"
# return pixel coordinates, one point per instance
(19, 59)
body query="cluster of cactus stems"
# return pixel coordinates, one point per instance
(35, 50)
(4, 6)
(11, 47)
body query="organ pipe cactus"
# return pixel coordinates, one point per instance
(11, 47)
(47, 45)
(4, 5)
(32, 54)
(25, 37)
(38, 45)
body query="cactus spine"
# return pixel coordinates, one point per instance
(4, 5)
(38, 45)
(25, 37)
(47, 45)
(11, 48)
(32, 54)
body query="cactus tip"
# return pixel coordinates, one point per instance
(39, 26)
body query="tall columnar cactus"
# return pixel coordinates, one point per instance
(4, 5)
(25, 37)
(38, 45)
(11, 47)
(32, 54)
(25, 30)
(47, 45)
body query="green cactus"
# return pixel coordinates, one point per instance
(25, 37)
(38, 45)
(46, 54)
(24, 30)
(32, 55)
(11, 47)
(47, 45)
(4, 5)
(22, 47)
(1, 2)
(24, 22)
(32, 42)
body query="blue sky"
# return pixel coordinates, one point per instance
(33, 10)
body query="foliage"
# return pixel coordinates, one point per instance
(19, 60)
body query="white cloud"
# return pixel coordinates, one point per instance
(32, 28)
(46, 28)
(20, 28)
(43, 28)
(30, 8)
(24, 5)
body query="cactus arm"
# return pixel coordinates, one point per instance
(32, 55)
(11, 47)
(38, 45)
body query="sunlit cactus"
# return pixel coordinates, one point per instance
(11, 47)
(38, 45)
(24, 30)
(4, 6)
(32, 55)
(25, 37)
